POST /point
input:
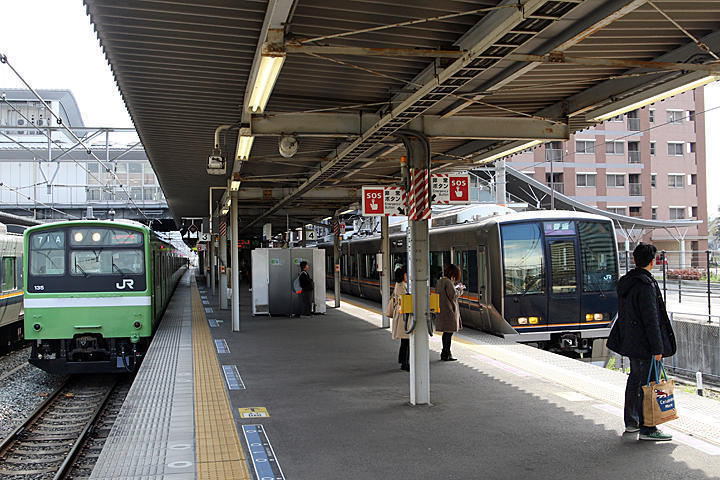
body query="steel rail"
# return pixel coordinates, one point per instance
(69, 461)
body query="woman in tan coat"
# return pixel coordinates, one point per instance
(398, 324)
(448, 320)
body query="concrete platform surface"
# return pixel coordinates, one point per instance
(338, 407)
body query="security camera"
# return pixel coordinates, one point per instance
(288, 146)
(216, 165)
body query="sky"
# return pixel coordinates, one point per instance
(59, 49)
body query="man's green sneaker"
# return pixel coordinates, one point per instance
(656, 436)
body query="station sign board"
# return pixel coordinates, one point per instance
(383, 201)
(450, 188)
(203, 237)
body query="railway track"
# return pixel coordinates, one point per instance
(52, 439)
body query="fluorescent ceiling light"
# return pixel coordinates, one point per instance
(326, 219)
(244, 144)
(648, 97)
(510, 151)
(267, 74)
(229, 200)
(350, 210)
(225, 211)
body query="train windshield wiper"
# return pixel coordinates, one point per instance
(78, 267)
(115, 267)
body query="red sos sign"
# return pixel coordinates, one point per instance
(373, 201)
(460, 189)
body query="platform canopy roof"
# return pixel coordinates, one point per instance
(478, 77)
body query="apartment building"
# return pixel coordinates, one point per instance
(648, 163)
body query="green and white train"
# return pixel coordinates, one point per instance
(94, 293)
(11, 305)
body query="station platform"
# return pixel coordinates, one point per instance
(323, 397)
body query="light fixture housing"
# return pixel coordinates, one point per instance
(349, 210)
(244, 143)
(267, 73)
(510, 151)
(650, 96)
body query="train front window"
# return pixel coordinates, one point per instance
(562, 261)
(597, 254)
(523, 257)
(106, 262)
(47, 253)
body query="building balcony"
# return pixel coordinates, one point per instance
(635, 189)
(633, 156)
(553, 155)
(633, 124)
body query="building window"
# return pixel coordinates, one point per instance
(615, 179)
(694, 212)
(634, 211)
(653, 180)
(691, 115)
(677, 213)
(691, 147)
(586, 179)
(693, 179)
(653, 213)
(617, 118)
(615, 148)
(557, 182)
(652, 148)
(633, 151)
(676, 180)
(617, 210)
(553, 152)
(633, 122)
(634, 183)
(584, 146)
(652, 115)
(675, 148)
(674, 116)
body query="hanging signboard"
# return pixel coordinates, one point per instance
(450, 188)
(383, 201)
(203, 237)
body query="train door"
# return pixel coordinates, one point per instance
(482, 277)
(563, 296)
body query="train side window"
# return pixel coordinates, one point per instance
(330, 264)
(362, 265)
(436, 267)
(597, 254)
(372, 267)
(466, 261)
(398, 260)
(8, 274)
(523, 259)
(353, 265)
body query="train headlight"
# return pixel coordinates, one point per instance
(598, 317)
(95, 236)
(522, 320)
(37, 327)
(589, 317)
(137, 325)
(534, 320)
(78, 237)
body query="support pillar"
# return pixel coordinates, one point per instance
(500, 180)
(235, 272)
(682, 253)
(303, 239)
(336, 258)
(222, 247)
(213, 263)
(386, 273)
(418, 248)
(207, 267)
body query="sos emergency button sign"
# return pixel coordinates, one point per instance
(382, 201)
(450, 188)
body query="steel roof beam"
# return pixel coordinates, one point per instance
(271, 194)
(348, 124)
(587, 26)
(480, 37)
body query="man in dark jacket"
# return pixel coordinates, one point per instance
(643, 333)
(307, 285)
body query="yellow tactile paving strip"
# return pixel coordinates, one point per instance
(219, 453)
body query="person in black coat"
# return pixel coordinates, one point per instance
(643, 333)
(307, 285)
